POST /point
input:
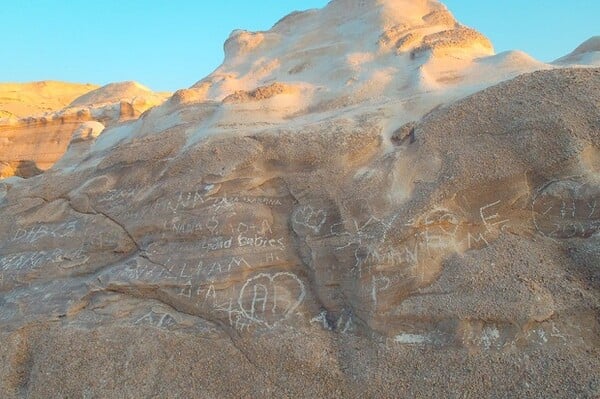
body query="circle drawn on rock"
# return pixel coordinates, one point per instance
(271, 301)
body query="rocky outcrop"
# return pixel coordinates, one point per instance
(477, 239)
(20, 100)
(25, 169)
(260, 93)
(364, 234)
(588, 53)
(42, 139)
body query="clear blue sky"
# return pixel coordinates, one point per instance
(168, 45)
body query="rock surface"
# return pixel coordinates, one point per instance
(41, 138)
(20, 100)
(245, 240)
(588, 53)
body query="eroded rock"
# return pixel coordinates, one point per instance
(244, 248)
(325, 238)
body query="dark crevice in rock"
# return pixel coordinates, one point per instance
(404, 134)
(122, 227)
(107, 216)
(146, 257)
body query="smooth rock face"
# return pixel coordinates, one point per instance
(329, 254)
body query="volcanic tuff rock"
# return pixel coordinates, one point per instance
(269, 236)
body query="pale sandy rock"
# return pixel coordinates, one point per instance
(589, 46)
(409, 55)
(588, 53)
(441, 17)
(117, 102)
(87, 131)
(20, 100)
(373, 233)
(260, 93)
(42, 139)
(461, 37)
(115, 92)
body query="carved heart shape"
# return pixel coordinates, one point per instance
(308, 217)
